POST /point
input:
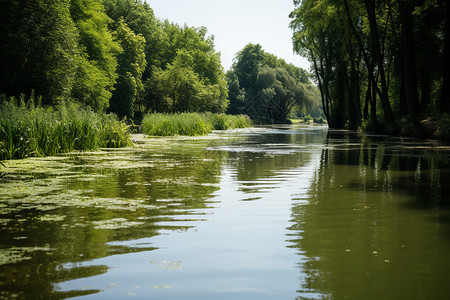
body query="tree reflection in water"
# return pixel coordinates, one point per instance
(367, 218)
(82, 207)
(376, 225)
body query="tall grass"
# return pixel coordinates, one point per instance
(191, 124)
(27, 129)
(177, 124)
(224, 122)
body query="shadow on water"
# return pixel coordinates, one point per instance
(376, 225)
(421, 167)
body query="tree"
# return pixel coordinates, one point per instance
(445, 92)
(141, 19)
(236, 95)
(387, 50)
(131, 65)
(246, 64)
(379, 59)
(409, 64)
(320, 35)
(97, 63)
(266, 87)
(39, 49)
(281, 93)
(167, 43)
(179, 88)
(191, 59)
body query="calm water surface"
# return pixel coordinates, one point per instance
(262, 213)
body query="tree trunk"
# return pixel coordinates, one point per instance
(370, 8)
(403, 109)
(353, 93)
(356, 90)
(409, 65)
(322, 92)
(368, 100)
(425, 88)
(445, 92)
(373, 108)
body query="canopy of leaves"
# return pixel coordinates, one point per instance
(266, 87)
(109, 55)
(192, 79)
(379, 63)
(38, 49)
(132, 64)
(184, 72)
(97, 62)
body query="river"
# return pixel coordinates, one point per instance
(280, 212)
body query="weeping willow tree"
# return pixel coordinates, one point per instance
(266, 87)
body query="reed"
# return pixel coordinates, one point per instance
(191, 124)
(27, 129)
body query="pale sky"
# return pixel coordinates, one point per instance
(235, 23)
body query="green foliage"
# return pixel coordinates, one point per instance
(308, 119)
(29, 130)
(101, 52)
(319, 120)
(140, 18)
(192, 78)
(183, 73)
(129, 87)
(96, 66)
(241, 121)
(320, 34)
(180, 89)
(225, 122)
(246, 64)
(266, 87)
(62, 50)
(190, 124)
(380, 65)
(236, 94)
(39, 49)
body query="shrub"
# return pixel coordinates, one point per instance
(241, 121)
(308, 119)
(320, 120)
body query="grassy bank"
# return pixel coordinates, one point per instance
(30, 130)
(191, 124)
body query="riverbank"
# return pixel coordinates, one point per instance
(433, 127)
(28, 130)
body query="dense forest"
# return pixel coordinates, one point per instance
(381, 65)
(111, 54)
(116, 56)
